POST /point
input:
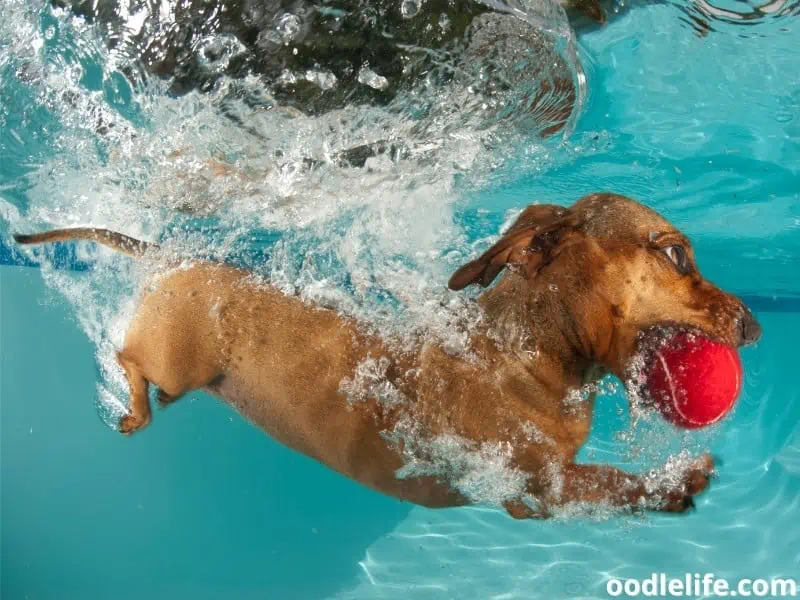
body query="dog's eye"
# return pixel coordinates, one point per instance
(678, 256)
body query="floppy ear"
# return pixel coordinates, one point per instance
(528, 244)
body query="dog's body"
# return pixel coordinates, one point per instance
(587, 286)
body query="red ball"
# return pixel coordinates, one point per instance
(694, 381)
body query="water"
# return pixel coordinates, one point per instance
(704, 128)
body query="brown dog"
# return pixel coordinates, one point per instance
(584, 291)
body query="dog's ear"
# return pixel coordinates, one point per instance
(529, 244)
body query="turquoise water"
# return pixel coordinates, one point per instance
(203, 505)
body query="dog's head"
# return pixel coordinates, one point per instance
(612, 275)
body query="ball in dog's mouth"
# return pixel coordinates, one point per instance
(692, 380)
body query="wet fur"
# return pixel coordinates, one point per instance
(579, 289)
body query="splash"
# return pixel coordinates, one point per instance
(350, 204)
(370, 382)
(483, 472)
(233, 163)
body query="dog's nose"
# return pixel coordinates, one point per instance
(749, 328)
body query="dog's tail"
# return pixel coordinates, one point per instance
(112, 239)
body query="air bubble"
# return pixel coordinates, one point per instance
(288, 27)
(322, 79)
(369, 77)
(214, 52)
(410, 8)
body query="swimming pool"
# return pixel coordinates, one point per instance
(203, 505)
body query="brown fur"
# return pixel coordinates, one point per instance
(582, 287)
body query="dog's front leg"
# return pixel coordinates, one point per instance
(590, 486)
(599, 484)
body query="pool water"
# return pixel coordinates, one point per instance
(706, 129)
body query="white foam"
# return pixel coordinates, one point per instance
(370, 382)
(483, 472)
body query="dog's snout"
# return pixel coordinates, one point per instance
(749, 328)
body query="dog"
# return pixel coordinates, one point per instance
(582, 292)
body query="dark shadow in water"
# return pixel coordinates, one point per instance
(200, 505)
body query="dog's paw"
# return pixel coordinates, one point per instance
(131, 424)
(695, 481)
